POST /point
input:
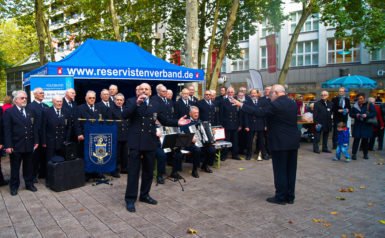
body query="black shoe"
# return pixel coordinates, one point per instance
(148, 199)
(194, 173)
(248, 157)
(265, 157)
(31, 188)
(275, 201)
(366, 157)
(236, 158)
(160, 180)
(175, 175)
(115, 174)
(35, 180)
(13, 191)
(316, 151)
(130, 207)
(290, 201)
(207, 169)
(354, 157)
(326, 151)
(4, 182)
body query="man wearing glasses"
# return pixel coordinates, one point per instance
(322, 118)
(39, 158)
(20, 140)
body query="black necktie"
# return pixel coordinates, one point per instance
(255, 102)
(58, 113)
(22, 112)
(42, 105)
(92, 108)
(107, 104)
(121, 109)
(70, 104)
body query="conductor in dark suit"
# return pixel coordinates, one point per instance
(284, 138)
(182, 106)
(20, 140)
(37, 106)
(322, 117)
(341, 110)
(55, 128)
(70, 105)
(143, 142)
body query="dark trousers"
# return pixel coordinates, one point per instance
(16, 158)
(134, 163)
(122, 156)
(177, 158)
(317, 138)
(208, 153)
(364, 145)
(285, 170)
(376, 134)
(231, 136)
(161, 159)
(196, 155)
(242, 141)
(39, 162)
(260, 143)
(266, 142)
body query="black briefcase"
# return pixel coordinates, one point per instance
(62, 176)
(70, 151)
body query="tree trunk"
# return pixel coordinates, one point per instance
(49, 39)
(40, 30)
(115, 21)
(306, 12)
(202, 29)
(222, 50)
(192, 38)
(211, 46)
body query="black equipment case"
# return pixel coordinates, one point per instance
(62, 176)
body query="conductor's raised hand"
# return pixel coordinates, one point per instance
(141, 99)
(183, 121)
(235, 102)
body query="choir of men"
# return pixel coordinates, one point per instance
(35, 133)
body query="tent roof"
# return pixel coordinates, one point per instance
(100, 59)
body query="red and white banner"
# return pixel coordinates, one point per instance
(271, 53)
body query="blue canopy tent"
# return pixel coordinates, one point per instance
(117, 62)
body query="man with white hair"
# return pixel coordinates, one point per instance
(113, 90)
(20, 140)
(104, 106)
(55, 128)
(284, 137)
(192, 98)
(39, 160)
(322, 117)
(182, 106)
(70, 105)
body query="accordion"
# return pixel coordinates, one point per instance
(203, 133)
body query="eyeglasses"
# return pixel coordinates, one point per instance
(41, 93)
(23, 98)
(324, 95)
(91, 97)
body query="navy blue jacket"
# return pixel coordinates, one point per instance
(20, 133)
(322, 114)
(253, 122)
(84, 112)
(73, 112)
(55, 129)
(181, 109)
(281, 116)
(37, 113)
(339, 116)
(105, 111)
(362, 129)
(142, 128)
(207, 112)
(229, 115)
(117, 114)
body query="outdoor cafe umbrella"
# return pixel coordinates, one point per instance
(350, 81)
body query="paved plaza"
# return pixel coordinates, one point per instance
(228, 203)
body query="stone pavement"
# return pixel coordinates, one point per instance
(228, 203)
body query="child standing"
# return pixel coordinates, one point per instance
(343, 136)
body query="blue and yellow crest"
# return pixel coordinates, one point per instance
(100, 148)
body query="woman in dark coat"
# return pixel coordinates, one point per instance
(362, 130)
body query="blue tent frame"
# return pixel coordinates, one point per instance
(101, 59)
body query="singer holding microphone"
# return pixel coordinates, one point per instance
(142, 142)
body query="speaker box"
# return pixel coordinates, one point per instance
(62, 176)
(70, 151)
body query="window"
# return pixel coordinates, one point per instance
(378, 54)
(305, 54)
(311, 24)
(342, 51)
(265, 29)
(243, 62)
(243, 33)
(223, 68)
(263, 63)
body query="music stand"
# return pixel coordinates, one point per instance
(177, 141)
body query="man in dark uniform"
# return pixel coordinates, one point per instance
(205, 154)
(284, 138)
(255, 126)
(113, 90)
(182, 106)
(3, 182)
(122, 145)
(207, 109)
(265, 100)
(229, 116)
(39, 159)
(219, 99)
(20, 140)
(322, 117)
(341, 109)
(143, 142)
(104, 106)
(70, 105)
(242, 133)
(55, 129)
(192, 98)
